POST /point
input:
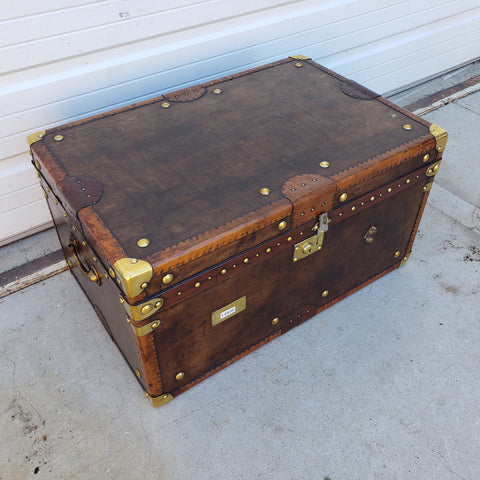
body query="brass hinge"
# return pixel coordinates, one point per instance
(143, 310)
(441, 136)
(314, 243)
(132, 275)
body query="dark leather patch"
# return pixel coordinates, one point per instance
(186, 95)
(82, 191)
(357, 91)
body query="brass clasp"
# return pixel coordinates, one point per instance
(315, 242)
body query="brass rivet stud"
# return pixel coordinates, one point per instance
(265, 191)
(245, 260)
(407, 180)
(143, 242)
(426, 158)
(407, 127)
(289, 239)
(389, 190)
(58, 138)
(372, 198)
(122, 300)
(167, 279)
(325, 293)
(111, 271)
(217, 91)
(134, 260)
(343, 196)
(224, 271)
(155, 324)
(282, 225)
(353, 208)
(302, 214)
(94, 259)
(397, 254)
(144, 285)
(197, 284)
(312, 209)
(180, 375)
(166, 105)
(324, 164)
(268, 250)
(138, 373)
(146, 309)
(128, 320)
(275, 321)
(299, 65)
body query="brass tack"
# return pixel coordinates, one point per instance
(426, 158)
(146, 309)
(94, 259)
(407, 127)
(299, 65)
(58, 138)
(155, 324)
(312, 209)
(324, 164)
(289, 239)
(138, 373)
(84, 243)
(275, 321)
(282, 225)
(128, 320)
(340, 214)
(325, 293)
(134, 260)
(353, 208)
(372, 198)
(144, 285)
(166, 105)
(293, 189)
(122, 300)
(179, 293)
(224, 271)
(302, 214)
(106, 275)
(314, 179)
(407, 181)
(389, 190)
(396, 254)
(167, 279)
(217, 91)
(143, 242)
(343, 196)
(234, 266)
(257, 254)
(245, 260)
(295, 259)
(265, 191)
(180, 375)
(197, 284)
(268, 250)
(278, 244)
(65, 215)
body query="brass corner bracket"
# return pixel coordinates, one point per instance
(143, 310)
(161, 400)
(132, 275)
(404, 260)
(441, 136)
(35, 137)
(300, 57)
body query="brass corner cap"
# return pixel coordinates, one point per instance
(159, 401)
(133, 275)
(300, 57)
(441, 136)
(35, 137)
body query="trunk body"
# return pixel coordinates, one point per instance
(204, 223)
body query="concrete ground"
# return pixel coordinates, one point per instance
(383, 385)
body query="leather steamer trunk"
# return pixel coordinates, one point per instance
(206, 222)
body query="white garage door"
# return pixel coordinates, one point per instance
(65, 59)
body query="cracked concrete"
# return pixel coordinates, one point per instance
(383, 385)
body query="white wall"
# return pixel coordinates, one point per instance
(65, 59)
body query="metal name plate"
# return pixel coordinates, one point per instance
(228, 311)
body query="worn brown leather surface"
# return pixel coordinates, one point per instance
(188, 177)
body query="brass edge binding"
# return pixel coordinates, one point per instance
(143, 310)
(300, 57)
(161, 400)
(133, 275)
(146, 329)
(441, 136)
(35, 137)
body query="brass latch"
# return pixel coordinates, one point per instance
(314, 243)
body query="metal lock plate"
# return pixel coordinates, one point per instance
(315, 242)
